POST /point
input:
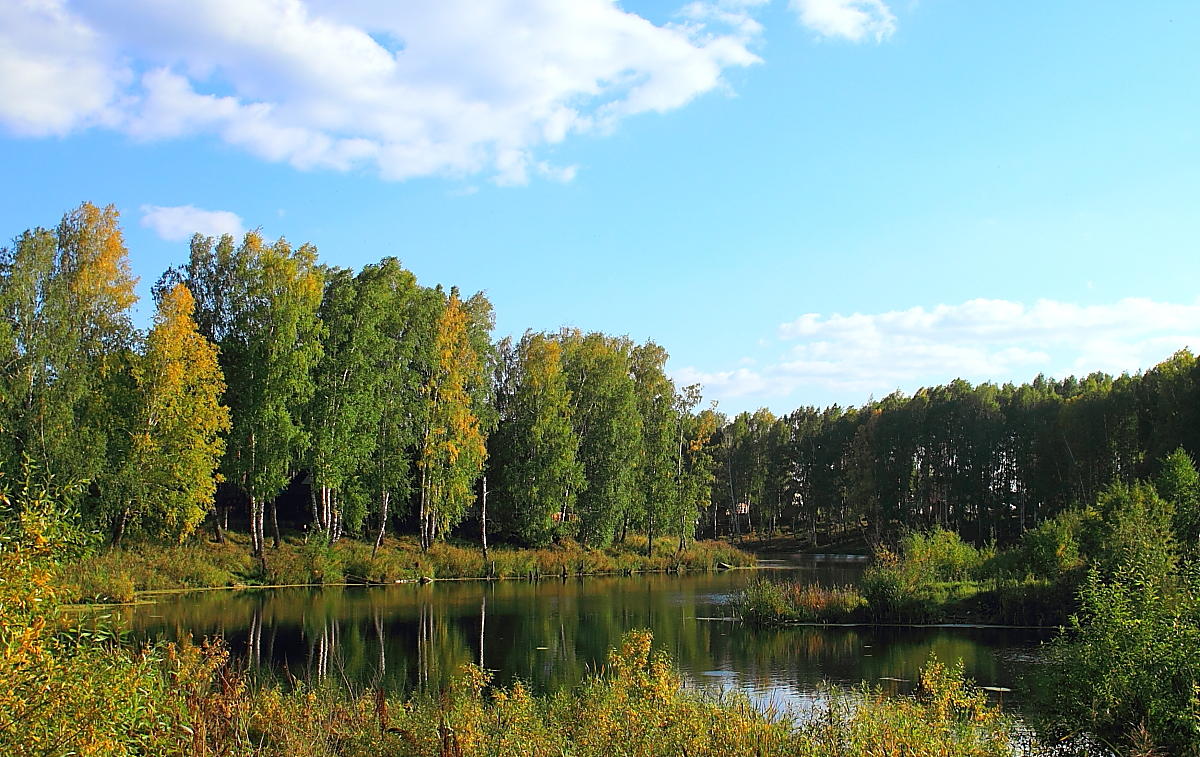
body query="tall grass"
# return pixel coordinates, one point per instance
(765, 602)
(117, 575)
(73, 691)
(935, 577)
(193, 703)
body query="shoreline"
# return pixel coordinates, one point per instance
(148, 596)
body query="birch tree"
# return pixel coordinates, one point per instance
(451, 450)
(170, 474)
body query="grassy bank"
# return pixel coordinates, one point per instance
(932, 577)
(188, 700)
(71, 690)
(118, 575)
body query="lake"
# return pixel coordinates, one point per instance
(551, 633)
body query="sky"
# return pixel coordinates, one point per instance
(805, 202)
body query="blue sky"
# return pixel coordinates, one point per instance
(805, 202)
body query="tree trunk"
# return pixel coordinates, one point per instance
(421, 515)
(313, 494)
(255, 527)
(119, 528)
(275, 524)
(483, 537)
(383, 519)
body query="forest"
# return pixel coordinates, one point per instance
(272, 388)
(266, 372)
(989, 462)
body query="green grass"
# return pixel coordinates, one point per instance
(932, 577)
(766, 602)
(118, 575)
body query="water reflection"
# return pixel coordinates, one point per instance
(551, 633)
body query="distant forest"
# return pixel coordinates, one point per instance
(271, 387)
(987, 461)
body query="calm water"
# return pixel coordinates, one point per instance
(552, 632)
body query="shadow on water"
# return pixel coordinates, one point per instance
(551, 633)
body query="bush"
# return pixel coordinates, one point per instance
(939, 555)
(1053, 548)
(1128, 668)
(885, 591)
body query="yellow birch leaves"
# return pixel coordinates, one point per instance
(177, 442)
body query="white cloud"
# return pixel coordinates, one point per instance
(850, 357)
(180, 222)
(854, 20)
(428, 87)
(56, 73)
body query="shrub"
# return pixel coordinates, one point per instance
(939, 555)
(1052, 548)
(1128, 669)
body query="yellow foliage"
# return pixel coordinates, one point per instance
(178, 446)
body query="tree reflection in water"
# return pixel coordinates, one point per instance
(551, 633)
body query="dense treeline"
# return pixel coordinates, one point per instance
(266, 371)
(986, 461)
(388, 406)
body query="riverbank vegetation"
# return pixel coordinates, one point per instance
(935, 576)
(76, 690)
(117, 575)
(1120, 575)
(928, 577)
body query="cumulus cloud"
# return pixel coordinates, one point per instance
(854, 20)
(56, 73)
(180, 222)
(420, 88)
(849, 357)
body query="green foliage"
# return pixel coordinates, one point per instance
(1053, 548)
(986, 461)
(1128, 668)
(1134, 527)
(258, 302)
(405, 321)
(1179, 484)
(362, 416)
(765, 602)
(66, 339)
(936, 577)
(167, 479)
(604, 413)
(452, 448)
(939, 554)
(654, 505)
(540, 473)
